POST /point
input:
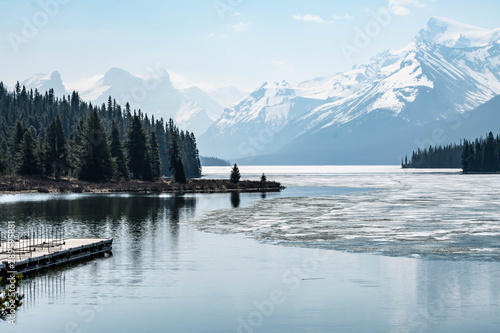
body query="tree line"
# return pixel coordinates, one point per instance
(435, 157)
(479, 155)
(213, 161)
(47, 136)
(482, 155)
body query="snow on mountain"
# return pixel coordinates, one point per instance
(226, 96)
(152, 93)
(198, 96)
(155, 94)
(45, 82)
(451, 33)
(435, 77)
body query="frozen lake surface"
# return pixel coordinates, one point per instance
(436, 214)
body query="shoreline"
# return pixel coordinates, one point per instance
(25, 185)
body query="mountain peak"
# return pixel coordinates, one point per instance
(56, 76)
(451, 33)
(45, 82)
(116, 72)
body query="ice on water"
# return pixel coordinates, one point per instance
(432, 214)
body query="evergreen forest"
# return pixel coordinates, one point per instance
(42, 135)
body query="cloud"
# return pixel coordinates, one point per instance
(318, 19)
(310, 18)
(402, 7)
(239, 27)
(282, 65)
(343, 17)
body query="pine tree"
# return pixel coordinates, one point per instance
(28, 108)
(489, 159)
(176, 165)
(477, 156)
(147, 171)
(29, 163)
(471, 156)
(235, 174)
(465, 157)
(76, 144)
(96, 163)
(136, 146)
(116, 150)
(180, 173)
(3, 160)
(55, 150)
(155, 156)
(15, 145)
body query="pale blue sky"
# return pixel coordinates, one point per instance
(244, 43)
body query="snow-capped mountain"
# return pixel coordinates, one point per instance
(154, 94)
(227, 96)
(191, 108)
(45, 82)
(448, 69)
(440, 30)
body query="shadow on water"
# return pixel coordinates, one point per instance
(145, 229)
(235, 199)
(139, 224)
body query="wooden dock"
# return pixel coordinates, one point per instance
(42, 257)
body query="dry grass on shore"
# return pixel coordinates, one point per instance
(22, 184)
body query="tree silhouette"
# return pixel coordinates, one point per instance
(235, 174)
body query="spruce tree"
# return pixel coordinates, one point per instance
(76, 144)
(117, 153)
(15, 144)
(147, 170)
(180, 173)
(471, 156)
(176, 165)
(55, 150)
(25, 107)
(96, 163)
(235, 174)
(136, 146)
(489, 159)
(29, 162)
(155, 156)
(3, 160)
(478, 156)
(465, 157)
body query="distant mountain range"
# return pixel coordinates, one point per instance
(433, 91)
(192, 109)
(375, 113)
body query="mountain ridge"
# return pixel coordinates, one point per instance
(192, 108)
(408, 88)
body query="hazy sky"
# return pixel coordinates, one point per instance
(233, 42)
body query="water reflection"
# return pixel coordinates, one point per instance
(45, 288)
(98, 215)
(235, 199)
(180, 279)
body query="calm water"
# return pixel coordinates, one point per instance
(168, 275)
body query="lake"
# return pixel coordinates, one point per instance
(348, 249)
